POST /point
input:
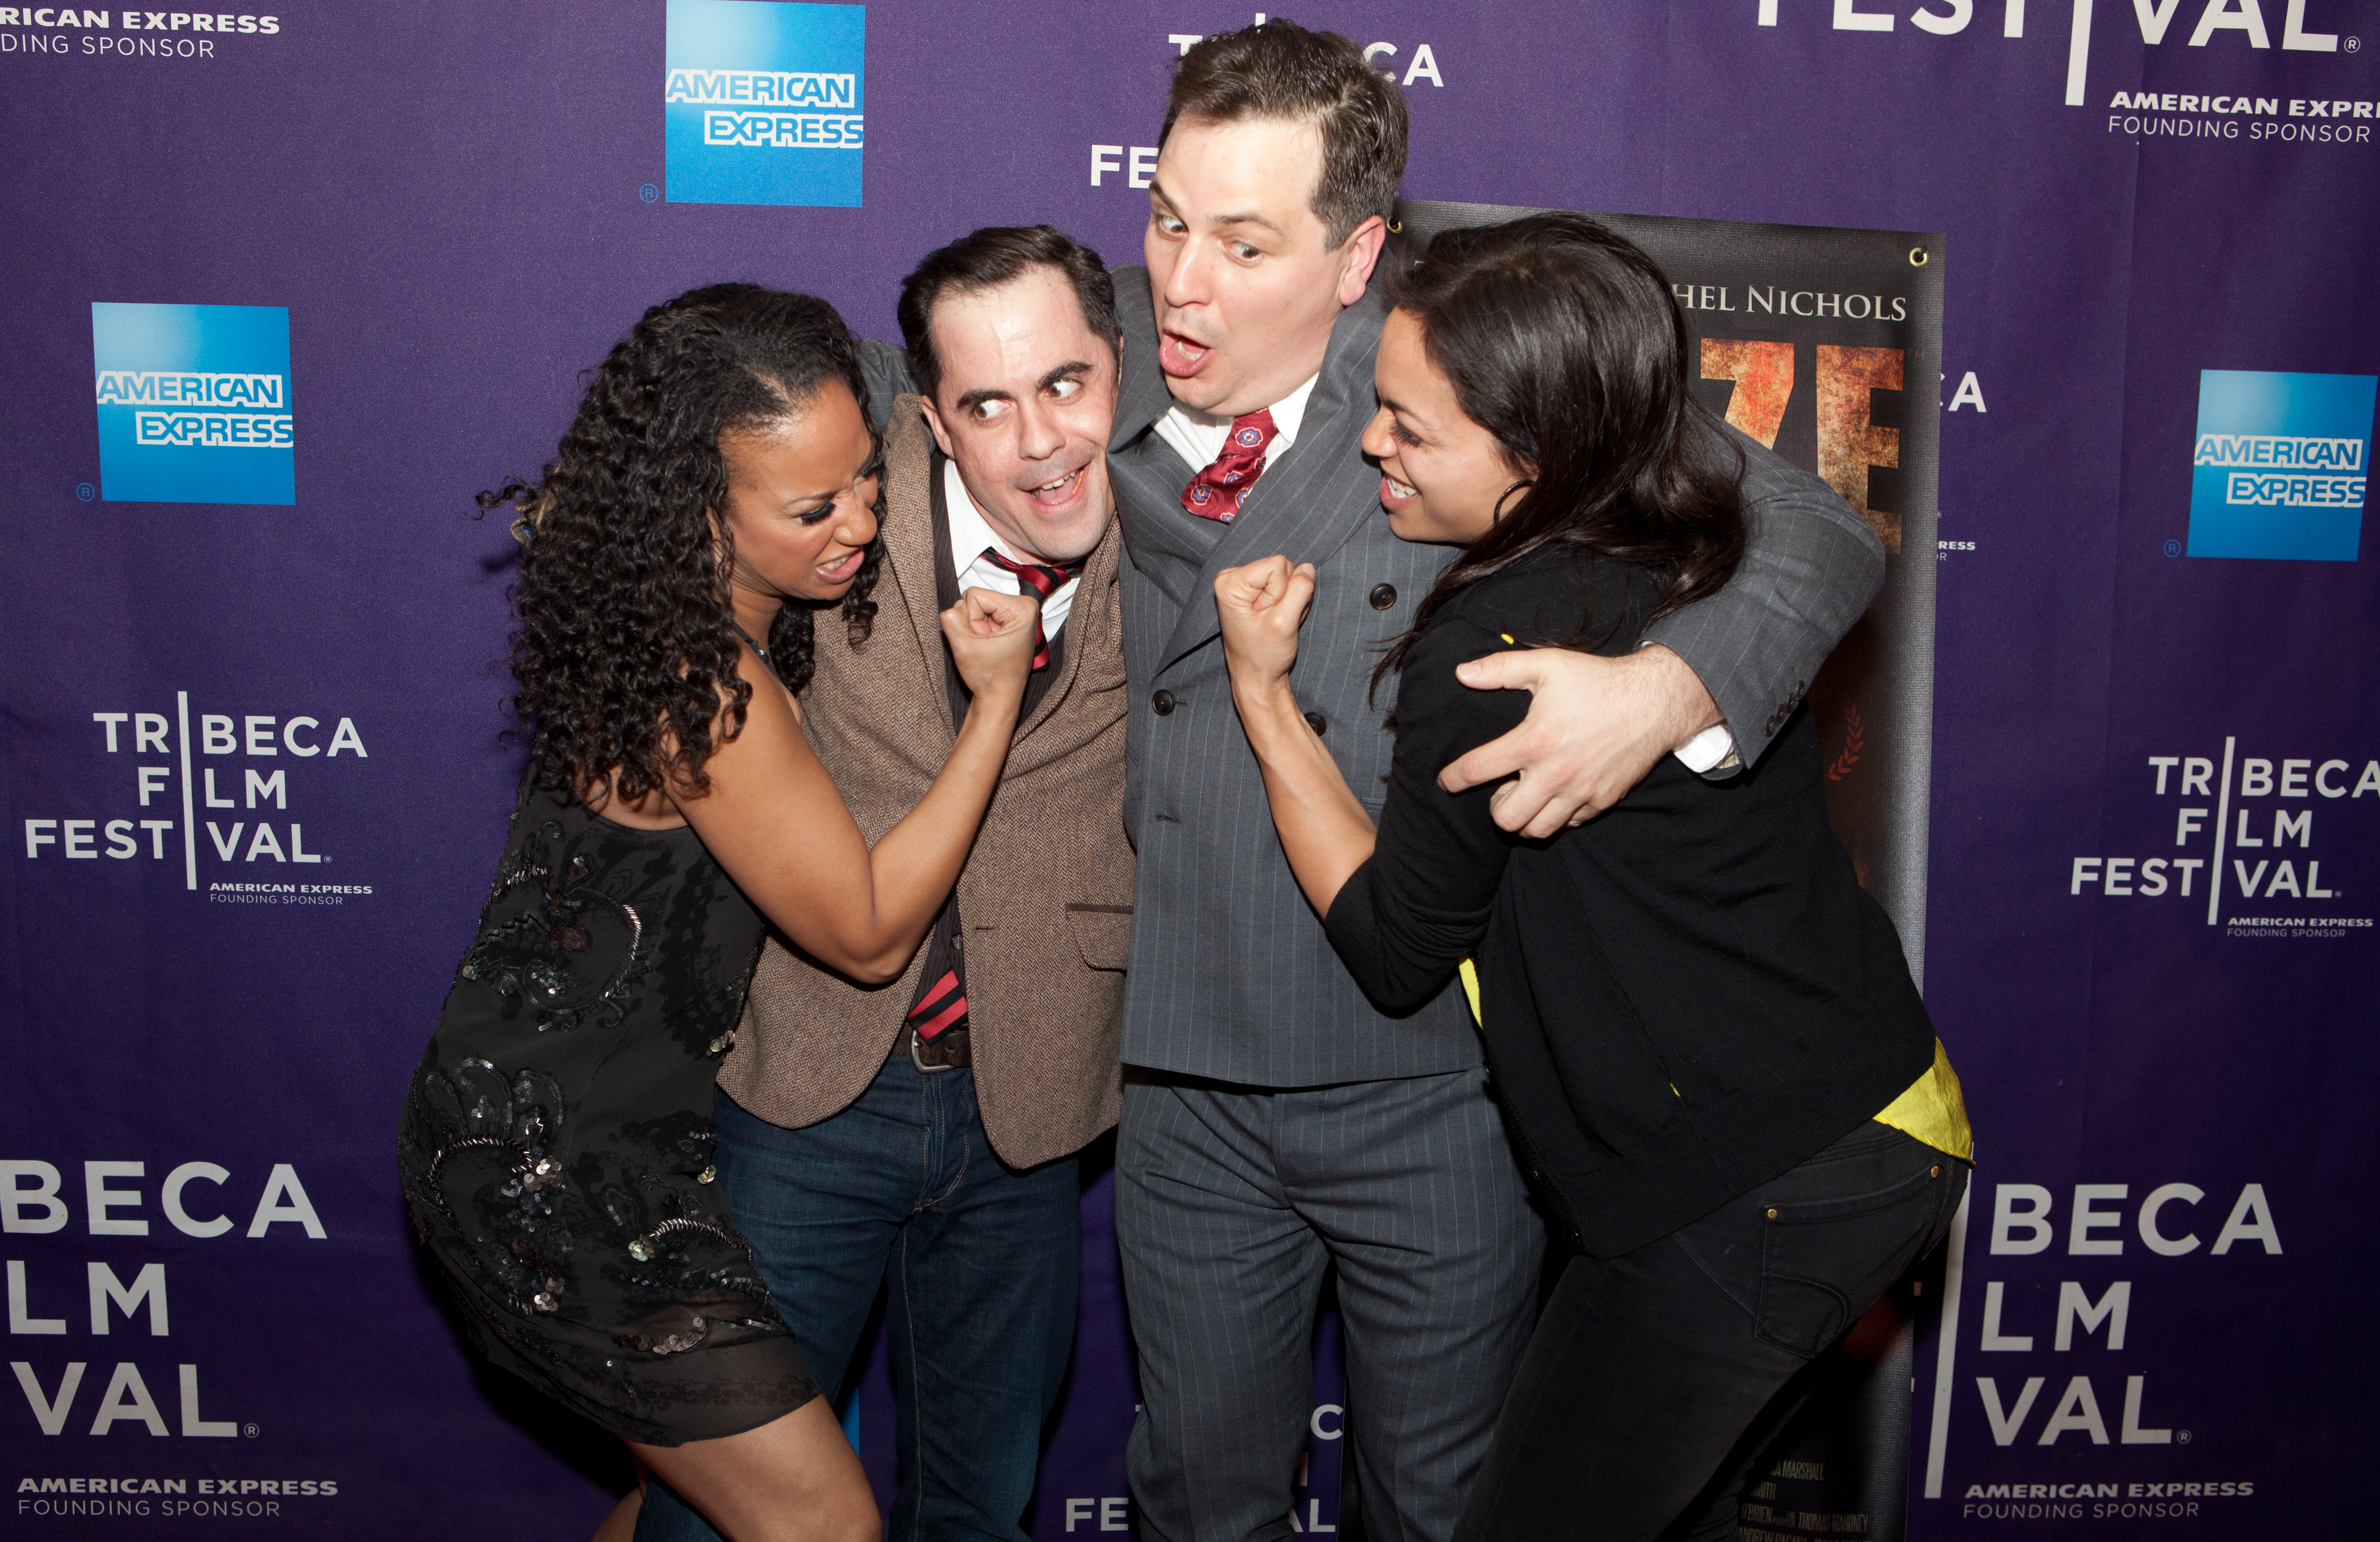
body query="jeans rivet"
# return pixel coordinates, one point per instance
(1937, 1170)
(1772, 1214)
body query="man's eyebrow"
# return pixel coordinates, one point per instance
(1222, 221)
(1158, 195)
(1067, 370)
(974, 399)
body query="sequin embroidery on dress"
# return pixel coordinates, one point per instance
(568, 956)
(556, 1144)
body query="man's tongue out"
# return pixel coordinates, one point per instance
(1176, 355)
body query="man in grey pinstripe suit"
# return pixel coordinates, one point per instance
(1275, 1125)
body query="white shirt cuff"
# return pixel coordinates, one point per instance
(1708, 751)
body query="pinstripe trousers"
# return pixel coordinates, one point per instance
(1233, 1203)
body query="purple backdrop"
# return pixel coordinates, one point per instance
(460, 207)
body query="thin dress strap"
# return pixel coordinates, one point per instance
(753, 644)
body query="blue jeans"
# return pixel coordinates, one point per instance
(901, 1190)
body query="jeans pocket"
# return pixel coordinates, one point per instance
(1824, 1261)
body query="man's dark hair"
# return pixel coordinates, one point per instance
(986, 260)
(1278, 70)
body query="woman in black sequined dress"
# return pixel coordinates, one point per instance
(718, 482)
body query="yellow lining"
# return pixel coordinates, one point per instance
(1932, 1110)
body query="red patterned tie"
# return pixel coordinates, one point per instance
(1043, 581)
(1215, 494)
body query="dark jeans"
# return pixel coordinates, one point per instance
(1655, 1379)
(901, 1190)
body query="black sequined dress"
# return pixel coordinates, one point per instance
(556, 1142)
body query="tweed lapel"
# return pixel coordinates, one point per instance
(1305, 507)
(1087, 635)
(908, 530)
(1142, 398)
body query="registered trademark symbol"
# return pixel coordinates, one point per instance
(252, 1432)
(85, 492)
(2173, 548)
(2354, 45)
(648, 192)
(2182, 1436)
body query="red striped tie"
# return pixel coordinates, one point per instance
(941, 1008)
(1043, 581)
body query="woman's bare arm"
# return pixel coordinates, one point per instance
(775, 821)
(1323, 830)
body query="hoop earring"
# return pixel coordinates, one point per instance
(1498, 512)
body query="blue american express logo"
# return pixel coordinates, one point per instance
(194, 403)
(764, 101)
(2278, 464)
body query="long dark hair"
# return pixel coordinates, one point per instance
(624, 655)
(1562, 338)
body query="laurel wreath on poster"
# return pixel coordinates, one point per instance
(1853, 740)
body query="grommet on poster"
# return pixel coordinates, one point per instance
(1918, 257)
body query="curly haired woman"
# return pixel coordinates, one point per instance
(718, 485)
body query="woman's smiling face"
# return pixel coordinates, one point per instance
(1442, 475)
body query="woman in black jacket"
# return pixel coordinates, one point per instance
(1715, 1068)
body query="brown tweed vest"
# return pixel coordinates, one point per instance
(1045, 896)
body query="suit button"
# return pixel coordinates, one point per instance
(1162, 703)
(1316, 721)
(1383, 596)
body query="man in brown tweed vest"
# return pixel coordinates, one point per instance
(924, 1135)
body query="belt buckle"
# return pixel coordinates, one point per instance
(911, 1034)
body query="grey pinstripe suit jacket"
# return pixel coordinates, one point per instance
(1231, 975)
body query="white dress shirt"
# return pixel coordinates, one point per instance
(971, 533)
(1197, 437)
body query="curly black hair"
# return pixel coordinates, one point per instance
(624, 654)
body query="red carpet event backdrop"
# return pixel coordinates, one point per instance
(2071, 299)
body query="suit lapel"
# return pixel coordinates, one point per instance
(1142, 398)
(1308, 505)
(1084, 635)
(909, 537)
